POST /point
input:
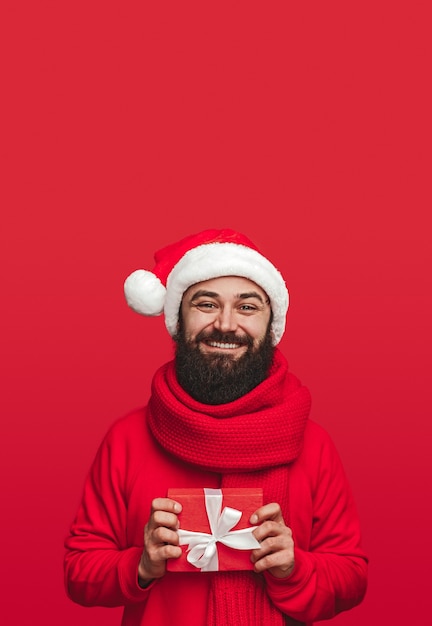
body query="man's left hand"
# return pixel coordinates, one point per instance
(276, 553)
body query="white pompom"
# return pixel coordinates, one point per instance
(145, 293)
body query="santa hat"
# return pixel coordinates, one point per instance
(205, 255)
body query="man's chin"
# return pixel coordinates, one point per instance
(219, 360)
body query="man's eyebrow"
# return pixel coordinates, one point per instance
(251, 294)
(202, 293)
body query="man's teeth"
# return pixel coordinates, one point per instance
(224, 346)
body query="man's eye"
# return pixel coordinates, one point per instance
(205, 305)
(247, 307)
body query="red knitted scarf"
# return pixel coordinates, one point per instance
(250, 442)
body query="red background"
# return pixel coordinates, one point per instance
(127, 125)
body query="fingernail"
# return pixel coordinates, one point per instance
(254, 519)
(177, 508)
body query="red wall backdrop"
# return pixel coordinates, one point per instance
(127, 125)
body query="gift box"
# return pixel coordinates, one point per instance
(215, 532)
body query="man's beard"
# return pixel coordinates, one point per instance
(218, 378)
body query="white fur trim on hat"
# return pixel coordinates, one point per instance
(213, 260)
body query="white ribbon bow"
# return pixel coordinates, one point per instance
(202, 551)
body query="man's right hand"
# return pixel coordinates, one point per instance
(161, 540)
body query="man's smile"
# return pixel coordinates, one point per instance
(223, 346)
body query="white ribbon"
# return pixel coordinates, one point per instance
(202, 551)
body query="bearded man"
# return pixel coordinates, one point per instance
(225, 413)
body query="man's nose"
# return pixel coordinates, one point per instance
(225, 320)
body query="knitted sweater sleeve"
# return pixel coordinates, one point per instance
(100, 564)
(330, 573)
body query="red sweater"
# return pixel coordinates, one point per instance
(106, 539)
